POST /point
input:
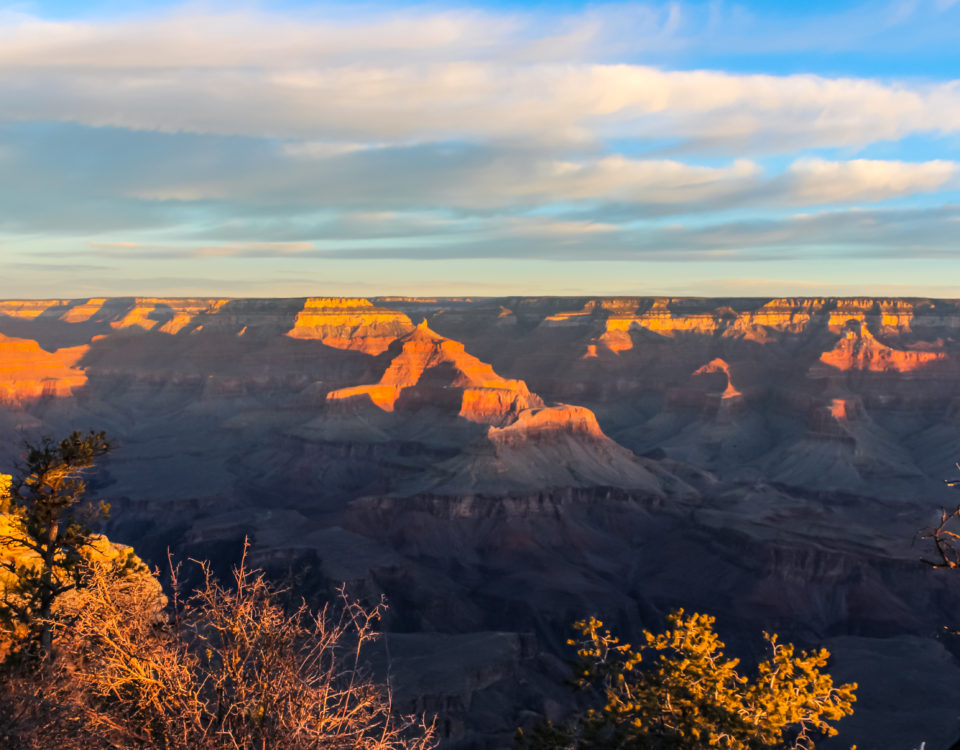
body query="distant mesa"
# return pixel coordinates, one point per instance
(84, 311)
(166, 315)
(29, 309)
(860, 350)
(775, 316)
(27, 372)
(893, 316)
(670, 318)
(661, 319)
(350, 323)
(147, 313)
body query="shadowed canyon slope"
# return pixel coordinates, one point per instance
(501, 467)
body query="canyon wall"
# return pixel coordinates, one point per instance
(501, 467)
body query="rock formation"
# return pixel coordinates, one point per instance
(27, 372)
(349, 324)
(719, 365)
(429, 368)
(860, 350)
(512, 464)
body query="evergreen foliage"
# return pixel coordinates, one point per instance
(679, 691)
(48, 535)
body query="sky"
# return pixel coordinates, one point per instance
(293, 148)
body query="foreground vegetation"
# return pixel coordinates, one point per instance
(96, 656)
(679, 691)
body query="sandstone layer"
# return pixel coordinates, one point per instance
(349, 324)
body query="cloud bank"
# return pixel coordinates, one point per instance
(471, 133)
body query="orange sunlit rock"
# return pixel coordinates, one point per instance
(166, 315)
(384, 396)
(659, 319)
(486, 397)
(568, 318)
(668, 324)
(346, 323)
(839, 408)
(720, 365)
(28, 372)
(29, 308)
(838, 319)
(84, 311)
(617, 336)
(540, 423)
(138, 316)
(895, 316)
(778, 315)
(177, 323)
(492, 405)
(860, 350)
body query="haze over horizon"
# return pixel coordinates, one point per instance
(486, 148)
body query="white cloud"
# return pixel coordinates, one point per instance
(430, 77)
(619, 179)
(493, 179)
(814, 181)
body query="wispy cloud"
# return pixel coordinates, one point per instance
(205, 138)
(442, 76)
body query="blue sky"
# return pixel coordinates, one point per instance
(294, 148)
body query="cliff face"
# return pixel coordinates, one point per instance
(860, 350)
(349, 324)
(430, 369)
(724, 384)
(509, 465)
(28, 373)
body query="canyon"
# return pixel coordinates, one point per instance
(501, 467)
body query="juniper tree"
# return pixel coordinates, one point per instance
(48, 534)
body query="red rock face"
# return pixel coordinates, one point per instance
(541, 424)
(151, 313)
(860, 350)
(27, 372)
(630, 359)
(353, 324)
(840, 408)
(485, 397)
(719, 365)
(28, 309)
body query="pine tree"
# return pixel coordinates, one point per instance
(48, 535)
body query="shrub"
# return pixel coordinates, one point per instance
(679, 691)
(223, 669)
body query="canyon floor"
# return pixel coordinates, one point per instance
(499, 468)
